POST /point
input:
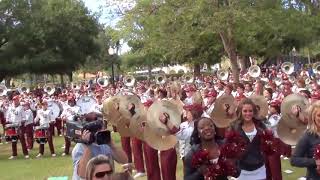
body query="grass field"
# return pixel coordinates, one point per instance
(47, 166)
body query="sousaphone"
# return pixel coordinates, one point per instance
(188, 78)
(287, 68)
(103, 81)
(129, 81)
(254, 71)
(219, 114)
(316, 68)
(3, 90)
(223, 74)
(160, 79)
(50, 89)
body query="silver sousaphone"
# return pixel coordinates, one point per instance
(86, 104)
(3, 90)
(254, 71)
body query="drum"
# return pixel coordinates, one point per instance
(55, 107)
(11, 132)
(86, 104)
(41, 134)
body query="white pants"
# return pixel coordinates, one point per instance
(258, 174)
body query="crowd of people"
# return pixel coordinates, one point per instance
(198, 131)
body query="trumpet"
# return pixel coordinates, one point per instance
(222, 74)
(287, 68)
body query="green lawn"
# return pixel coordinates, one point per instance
(47, 166)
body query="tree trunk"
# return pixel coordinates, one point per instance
(229, 47)
(149, 72)
(70, 76)
(196, 70)
(84, 75)
(61, 79)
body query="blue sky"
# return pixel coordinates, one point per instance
(100, 6)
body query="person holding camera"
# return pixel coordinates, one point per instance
(94, 142)
(45, 119)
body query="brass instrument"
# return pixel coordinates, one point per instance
(129, 81)
(254, 71)
(188, 78)
(223, 74)
(287, 68)
(50, 89)
(160, 79)
(316, 68)
(3, 90)
(103, 81)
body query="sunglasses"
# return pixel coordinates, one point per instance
(103, 174)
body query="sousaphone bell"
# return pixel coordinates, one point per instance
(50, 89)
(103, 81)
(160, 79)
(287, 68)
(316, 68)
(223, 74)
(3, 90)
(129, 81)
(188, 78)
(254, 71)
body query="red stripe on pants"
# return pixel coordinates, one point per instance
(137, 154)
(29, 134)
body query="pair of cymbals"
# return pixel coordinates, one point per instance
(219, 114)
(261, 104)
(157, 134)
(290, 128)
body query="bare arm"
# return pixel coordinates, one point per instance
(83, 162)
(118, 154)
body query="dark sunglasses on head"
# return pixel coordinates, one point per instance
(103, 174)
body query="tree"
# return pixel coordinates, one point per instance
(46, 36)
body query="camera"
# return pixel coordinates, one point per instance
(98, 136)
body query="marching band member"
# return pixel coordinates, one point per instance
(15, 115)
(209, 103)
(306, 147)
(240, 93)
(69, 114)
(190, 90)
(28, 125)
(45, 119)
(247, 89)
(252, 163)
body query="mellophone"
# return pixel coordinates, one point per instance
(41, 134)
(11, 132)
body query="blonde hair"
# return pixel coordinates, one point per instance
(312, 110)
(100, 159)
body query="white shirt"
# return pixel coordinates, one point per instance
(70, 112)
(184, 136)
(28, 116)
(15, 115)
(44, 116)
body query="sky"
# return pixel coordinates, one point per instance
(107, 16)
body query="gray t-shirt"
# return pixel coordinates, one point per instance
(96, 150)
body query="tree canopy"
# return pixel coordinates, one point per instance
(46, 36)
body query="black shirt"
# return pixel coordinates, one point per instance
(303, 155)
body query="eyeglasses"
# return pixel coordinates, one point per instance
(103, 174)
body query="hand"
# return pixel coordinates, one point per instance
(164, 117)
(86, 135)
(127, 167)
(295, 110)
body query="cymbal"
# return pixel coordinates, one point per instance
(123, 127)
(262, 105)
(136, 126)
(290, 134)
(178, 103)
(288, 103)
(110, 110)
(219, 115)
(126, 101)
(157, 109)
(158, 141)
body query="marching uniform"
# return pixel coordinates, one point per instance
(15, 115)
(69, 114)
(45, 119)
(29, 128)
